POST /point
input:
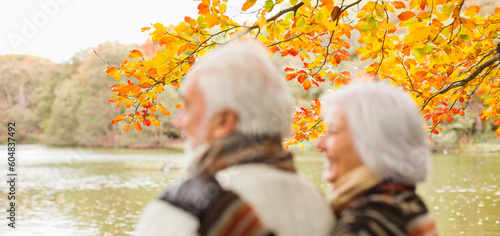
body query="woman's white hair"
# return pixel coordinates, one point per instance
(387, 129)
(241, 77)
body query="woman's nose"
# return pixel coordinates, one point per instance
(319, 143)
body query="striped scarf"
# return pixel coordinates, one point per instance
(221, 212)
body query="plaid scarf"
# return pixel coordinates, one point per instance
(238, 149)
(388, 208)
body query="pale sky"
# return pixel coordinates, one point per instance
(57, 29)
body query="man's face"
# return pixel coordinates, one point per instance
(192, 121)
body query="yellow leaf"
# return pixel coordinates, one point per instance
(222, 8)
(262, 22)
(182, 28)
(472, 11)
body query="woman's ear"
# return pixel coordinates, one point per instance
(225, 123)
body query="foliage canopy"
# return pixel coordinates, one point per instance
(439, 51)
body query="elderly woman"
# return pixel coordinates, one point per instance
(376, 152)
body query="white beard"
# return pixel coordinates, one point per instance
(192, 155)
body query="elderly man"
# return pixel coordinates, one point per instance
(242, 182)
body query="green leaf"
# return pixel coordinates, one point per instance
(465, 37)
(301, 22)
(269, 5)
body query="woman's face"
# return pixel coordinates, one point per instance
(338, 146)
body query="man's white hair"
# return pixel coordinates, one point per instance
(387, 129)
(241, 77)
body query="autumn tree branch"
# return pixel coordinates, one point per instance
(280, 13)
(461, 83)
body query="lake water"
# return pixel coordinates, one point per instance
(101, 192)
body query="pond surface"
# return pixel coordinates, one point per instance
(102, 192)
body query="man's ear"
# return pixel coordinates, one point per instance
(225, 123)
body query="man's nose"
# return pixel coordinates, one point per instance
(177, 122)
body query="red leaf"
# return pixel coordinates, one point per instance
(406, 15)
(435, 131)
(288, 69)
(293, 52)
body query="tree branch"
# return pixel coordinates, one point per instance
(465, 81)
(280, 13)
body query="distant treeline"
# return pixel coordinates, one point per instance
(65, 104)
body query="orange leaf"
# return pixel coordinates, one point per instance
(179, 106)
(137, 126)
(302, 78)
(398, 4)
(435, 131)
(290, 76)
(190, 21)
(406, 15)
(163, 110)
(147, 122)
(307, 84)
(119, 118)
(497, 11)
(127, 127)
(135, 54)
(145, 28)
(472, 11)
(152, 72)
(203, 9)
(497, 132)
(247, 5)
(288, 69)
(211, 20)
